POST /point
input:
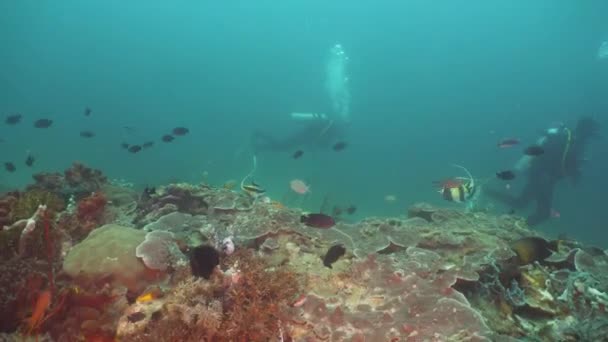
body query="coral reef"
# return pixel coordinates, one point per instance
(190, 199)
(78, 179)
(83, 178)
(435, 275)
(252, 305)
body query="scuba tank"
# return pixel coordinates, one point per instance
(308, 116)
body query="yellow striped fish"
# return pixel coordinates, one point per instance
(461, 190)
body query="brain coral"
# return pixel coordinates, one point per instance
(108, 252)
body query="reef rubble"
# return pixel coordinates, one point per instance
(118, 270)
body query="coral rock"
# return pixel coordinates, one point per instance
(109, 253)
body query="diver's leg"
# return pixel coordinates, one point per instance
(261, 141)
(526, 196)
(544, 202)
(517, 202)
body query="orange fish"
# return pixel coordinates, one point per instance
(149, 295)
(42, 304)
(449, 183)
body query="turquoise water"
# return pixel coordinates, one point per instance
(430, 85)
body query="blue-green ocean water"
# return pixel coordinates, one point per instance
(431, 83)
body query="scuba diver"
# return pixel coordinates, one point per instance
(319, 130)
(563, 157)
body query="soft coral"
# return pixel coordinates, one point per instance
(90, 211)
(91, 208)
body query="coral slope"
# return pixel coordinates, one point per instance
(436, 275)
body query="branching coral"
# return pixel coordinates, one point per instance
(258, 302)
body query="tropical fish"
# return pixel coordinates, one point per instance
(43, 123)
(459, 189)
(532, 248)
(180, 131)
(298, 186)
(10, 167)
(87, 134)
(42, 304)
(148, 144)
(29, 161)
(333, 254)
(87, 111)
(318, 220)
(253, 189)
(150, 295)
(13, 119)
(505, 175)
(297, 154)
(508, 142)
(167, 138)
(339, 146)
(534, 151)
(134, 148)
(351, 210)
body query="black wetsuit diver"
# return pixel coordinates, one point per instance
(317, 132)
(563, 157)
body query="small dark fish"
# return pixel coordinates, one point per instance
(339, 146)
(134, 149)
(297, 154)
(29, 161)
(43, 123)
(87, 134)
(136, 317)
(336, 211)
(13, 119)
(511, 212)
(10, 167)
(87, 111)
(168, 138)
(125, 145)
(148, 144)
(318, 221)
(203, 260)
(534, 151)
(129, 129)
(180, 131)
(506, 175)
(351, 210)
(509, 142)
(333, 254)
